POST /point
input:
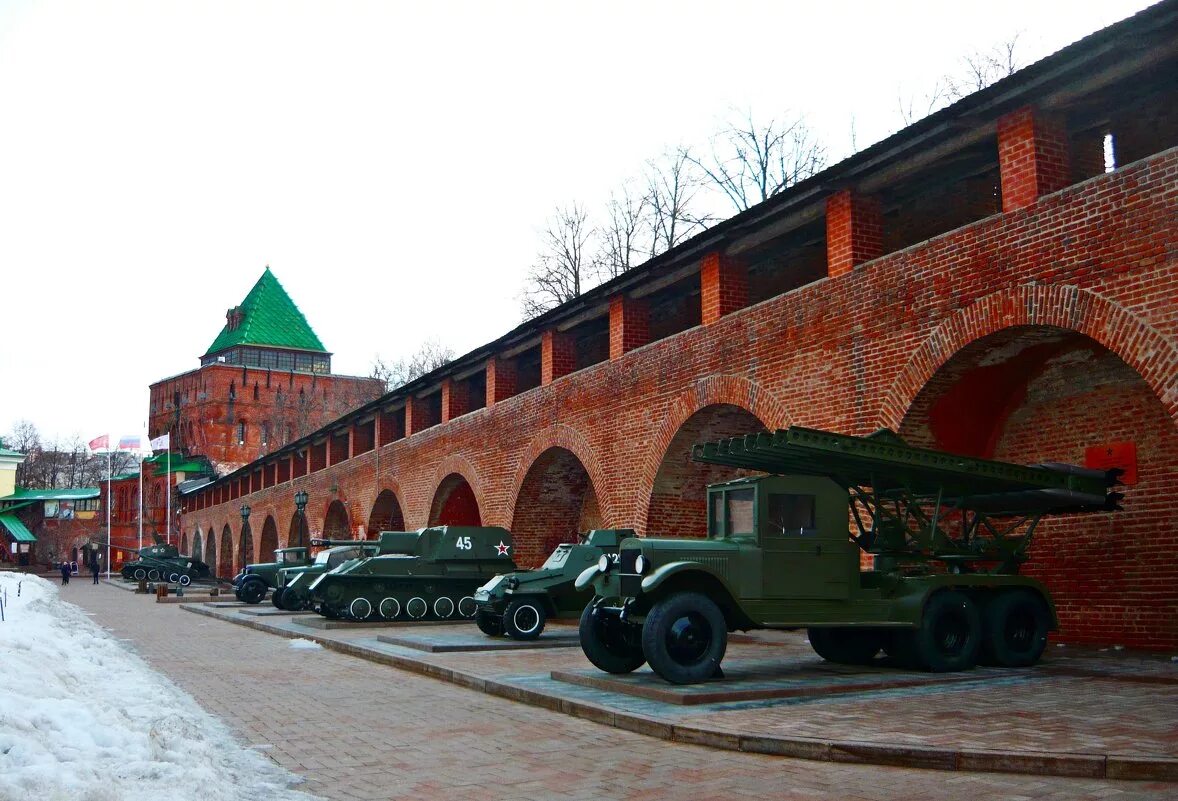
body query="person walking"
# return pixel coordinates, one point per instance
(65, 573)
(94, 565)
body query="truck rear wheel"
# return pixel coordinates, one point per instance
(950, 633)
(846, 645)
(252, 591)
(1015, 629)
(685, 637)
(489, 623)
(524, 619)
(276, 598)
(605, 642)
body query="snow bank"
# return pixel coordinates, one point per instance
(83, 718)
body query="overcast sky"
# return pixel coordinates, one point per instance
(391, 162)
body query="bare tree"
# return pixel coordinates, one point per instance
(627, 225)
(751, 162)
(561, 271)
(672, 186)
(978, 70)
(430, 356)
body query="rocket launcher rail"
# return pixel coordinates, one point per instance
(916, 503)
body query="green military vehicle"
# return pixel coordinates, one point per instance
(518, 604)
(290, 594)
(435, 582)
(254, 581)
(946, 535)
(163, 562)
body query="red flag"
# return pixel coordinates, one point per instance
(100, 443)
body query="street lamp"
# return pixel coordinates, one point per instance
(300, 499)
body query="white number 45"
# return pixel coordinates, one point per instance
(463, 544)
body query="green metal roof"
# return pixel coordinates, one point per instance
(270, 319)
(7, 452)
(72, 494)
(16, 529)
(180, 464)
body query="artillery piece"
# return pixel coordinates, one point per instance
(946, 535)
(291, 583)
(163, 562)
(436, 581)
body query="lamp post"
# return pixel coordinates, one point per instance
(245, 524)
(300, 499)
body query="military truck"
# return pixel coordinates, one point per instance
(519, 604)
(290, 593)
(163, 562)
(435, 582)
(946, 535)
(254, 581)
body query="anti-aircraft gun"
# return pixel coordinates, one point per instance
(291, 583)
(163, 562)
(436, 581)
(946, 535)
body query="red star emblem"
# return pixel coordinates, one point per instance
(501, 549)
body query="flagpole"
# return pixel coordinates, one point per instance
(140, 501)
(108, 510)
(168, 491)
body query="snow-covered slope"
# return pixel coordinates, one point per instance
(83, 718)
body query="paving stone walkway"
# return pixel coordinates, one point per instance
(358, 730)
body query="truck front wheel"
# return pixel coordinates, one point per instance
(276, 598)
(252, 592)
(524, 619)
(685, 637)
(1015, 624)
(606, 643)
(950, 633)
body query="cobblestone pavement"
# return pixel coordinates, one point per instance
(357, 730)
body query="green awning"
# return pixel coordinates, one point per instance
(16, 529)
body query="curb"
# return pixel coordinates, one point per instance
(1082, 765)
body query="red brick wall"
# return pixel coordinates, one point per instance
(850, 353)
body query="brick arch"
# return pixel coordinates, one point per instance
(337, 521)
(567, 437)
(269, 539)
(455, 465)
(184, 543)
(225, 551)
(387, 511)
(1153, 355)
(198, 545)
(715, 390)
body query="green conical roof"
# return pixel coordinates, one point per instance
(269, 318)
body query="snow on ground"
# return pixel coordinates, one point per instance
(82, 718)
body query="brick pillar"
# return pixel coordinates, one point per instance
(500, 380)
(455, 399)
(854, 233)
(724, 286)
(415, 415)
(1032, 157)
(629, 325)
(557, 357)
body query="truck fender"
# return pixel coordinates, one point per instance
(586, 577)
(662, 574)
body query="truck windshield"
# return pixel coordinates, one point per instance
(730, 513)
(290, 558)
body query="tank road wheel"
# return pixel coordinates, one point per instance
(153, 575)
(524, 619)
(185, 579)
(389, 608)
(1015, 629)
(140, 574)
(685, 637)
(949, 634)
(489, 623)
(276, 598)
(605, 641)
(467, 607)
(846, 646)
(252, 591)
(173, 577)
(359, 609)
(416, 607)
(443, 607)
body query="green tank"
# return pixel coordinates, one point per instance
(163, 562)
(436, 581)
(518, 604)
(290, 593)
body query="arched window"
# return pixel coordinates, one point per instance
(241, 432)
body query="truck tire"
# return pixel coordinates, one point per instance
(604, 643)
(276, 598)
(949, 636)
(1015, 627)
(846, 645)
(489, 623)
(524, 619)
(685, 637)
(252, 591)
